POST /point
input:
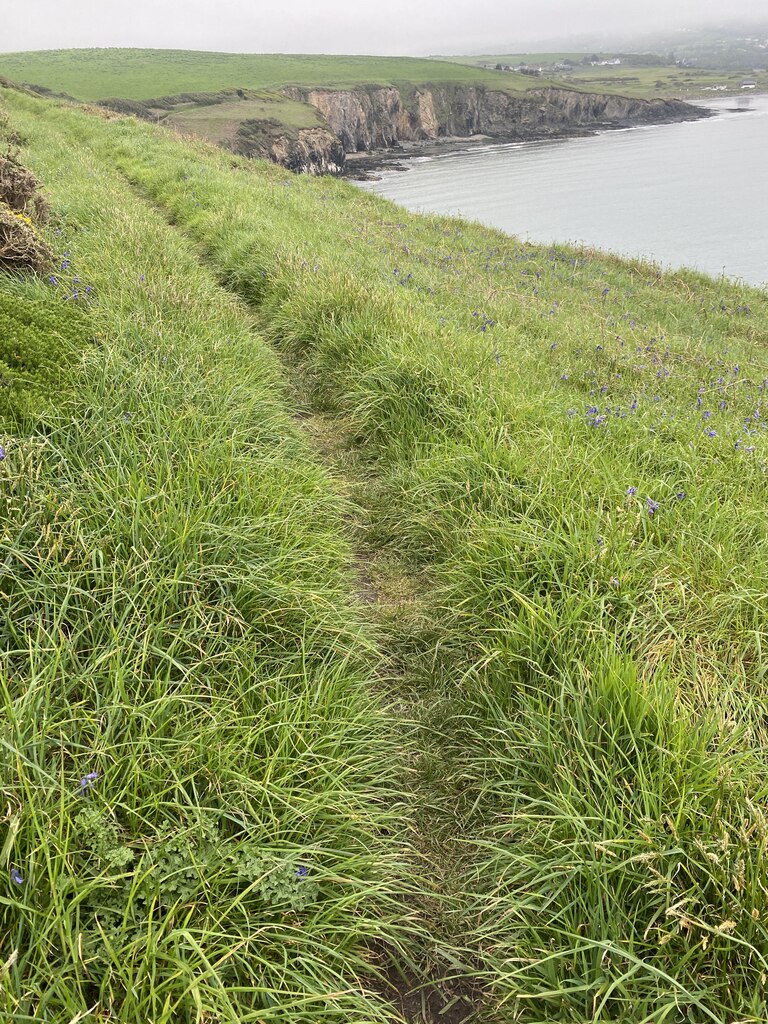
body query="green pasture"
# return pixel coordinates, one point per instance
(147, 74)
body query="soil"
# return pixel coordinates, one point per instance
(452, 1002)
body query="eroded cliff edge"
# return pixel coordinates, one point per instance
(377, 119)
(328, 130)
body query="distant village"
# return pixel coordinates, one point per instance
(754, 47)
(562, 66)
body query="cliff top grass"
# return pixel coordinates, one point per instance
(94, 74)
(218, 122)
(563, 454)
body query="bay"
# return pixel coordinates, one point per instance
(693, 194)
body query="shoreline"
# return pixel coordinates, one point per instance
(364, 165)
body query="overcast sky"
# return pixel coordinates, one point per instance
(345, 26)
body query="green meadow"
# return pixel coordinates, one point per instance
(628, 79)
(148, 74)
(385, 607)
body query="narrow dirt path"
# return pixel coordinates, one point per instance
(393, 601)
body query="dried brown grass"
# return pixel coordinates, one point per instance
(20, 189)
(20, 247)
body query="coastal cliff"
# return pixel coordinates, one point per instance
(306, 150)
(371, 119)
(326, 126)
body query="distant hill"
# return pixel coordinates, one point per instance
(93, 74)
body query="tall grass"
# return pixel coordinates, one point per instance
(202, 796)
(569, 450)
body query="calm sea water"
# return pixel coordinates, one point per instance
(693, 194)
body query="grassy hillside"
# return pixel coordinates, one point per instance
(189, 750)
(539, 554)
(146, 74)
(629, 79)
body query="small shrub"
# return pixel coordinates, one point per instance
(20, 247)
(20, 189)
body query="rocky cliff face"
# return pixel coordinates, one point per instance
(372, 118)
(305, 150)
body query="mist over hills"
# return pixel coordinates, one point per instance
(733, 45)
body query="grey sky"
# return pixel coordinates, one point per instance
(345, 26)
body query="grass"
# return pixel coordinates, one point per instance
(664, 80)
(190, 750)
(145, 74)
(219, 122)
(557, 462)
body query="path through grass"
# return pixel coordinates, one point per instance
(563, 455)
(203, 795)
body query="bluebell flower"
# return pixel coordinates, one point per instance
(631, 492)
(680, 495)
(652, 506)
(302, 871)
(16, 877)
(86, 783)
(711, 433)
(2, 453)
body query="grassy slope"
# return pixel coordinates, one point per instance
(178, 619)
(219, 122)
(146, 74)
(592, 655)
(568, 451)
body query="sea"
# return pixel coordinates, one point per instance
(693, 194)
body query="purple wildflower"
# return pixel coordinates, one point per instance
(631, 492)
(652, 506)
(680, 495)
(2, 453)
(711, 433)
(86, 783)
(16, 877)
(302, 871)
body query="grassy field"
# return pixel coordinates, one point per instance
(666, 80)
(502, 662)
(219, 122)
(146, 74)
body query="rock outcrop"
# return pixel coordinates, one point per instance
(304, 150)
